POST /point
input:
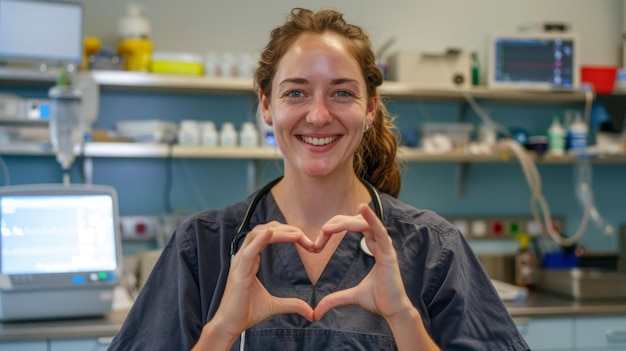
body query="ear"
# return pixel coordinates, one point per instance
(370, 113)
(264, 106)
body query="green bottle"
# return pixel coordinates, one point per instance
(475, 69)
(556, 138)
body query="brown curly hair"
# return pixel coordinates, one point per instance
(375, 158)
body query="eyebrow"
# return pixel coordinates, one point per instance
(304, 81)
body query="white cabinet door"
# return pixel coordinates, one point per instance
(543, 334)
(607, 332)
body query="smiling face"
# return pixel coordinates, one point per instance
(318, 106)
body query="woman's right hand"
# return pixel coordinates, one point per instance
(246, 302)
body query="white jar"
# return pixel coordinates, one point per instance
(189, 132)
(228, 135)
(212, 65)
(245, 65)
(249, 137)
(228, 66)
(210, 137)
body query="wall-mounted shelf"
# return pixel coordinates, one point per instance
(413, 91)
(153, 150)
(166, 82)
(150, 81)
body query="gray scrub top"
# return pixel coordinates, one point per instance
(443, 278)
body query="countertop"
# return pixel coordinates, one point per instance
(97, 327)
(537, 304)
(542, 304)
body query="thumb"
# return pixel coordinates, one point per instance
(292, 305)
(336, 299)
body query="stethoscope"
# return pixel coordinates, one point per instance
(244, 227)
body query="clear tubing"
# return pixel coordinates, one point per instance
(537, 201)
(582, 175)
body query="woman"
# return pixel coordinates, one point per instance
(320, 259)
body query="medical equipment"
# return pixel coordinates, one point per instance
(65, 122)
(446, 69)
(244, 227)
(38, 32)
(14, 108)
(61, 251)
(73, 110)
(533, 60)
(583, 190)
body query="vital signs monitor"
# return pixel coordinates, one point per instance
(41, 31)
(60, 251)
(533, 60)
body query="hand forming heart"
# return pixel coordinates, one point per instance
(246, 302)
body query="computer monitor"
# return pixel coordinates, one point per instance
(533, 60)
(41, 32)
(60, 250)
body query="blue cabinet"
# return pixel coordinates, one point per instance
(593, 333)
(87, 344)
(543, 334)
(600, 333)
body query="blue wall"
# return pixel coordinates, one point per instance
(157, 186)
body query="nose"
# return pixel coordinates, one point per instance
(320, 114)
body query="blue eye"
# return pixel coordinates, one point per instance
(294, 93)
(343, 93)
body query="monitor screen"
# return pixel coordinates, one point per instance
(41, 31)
(533, 60)
(58, 229)
(57, 234)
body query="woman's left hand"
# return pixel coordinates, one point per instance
(382, 290)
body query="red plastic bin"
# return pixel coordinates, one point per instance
(601, 77)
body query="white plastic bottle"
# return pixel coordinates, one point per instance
(210, 137)
(134, 25)
(249, 137)
(556, 138)
(189, 133)
(578, 133)
(228, 135)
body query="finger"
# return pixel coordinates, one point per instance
(247, 257)
(292, 305)
(339, 224)
(377, 233)
(372, 219)
(286, 233)
(336, 299)
(279, 234)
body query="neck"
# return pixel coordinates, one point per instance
(309, 202)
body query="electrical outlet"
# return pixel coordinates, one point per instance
(499, 226)
(140, 227)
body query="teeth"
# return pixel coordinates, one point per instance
(318, 141)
